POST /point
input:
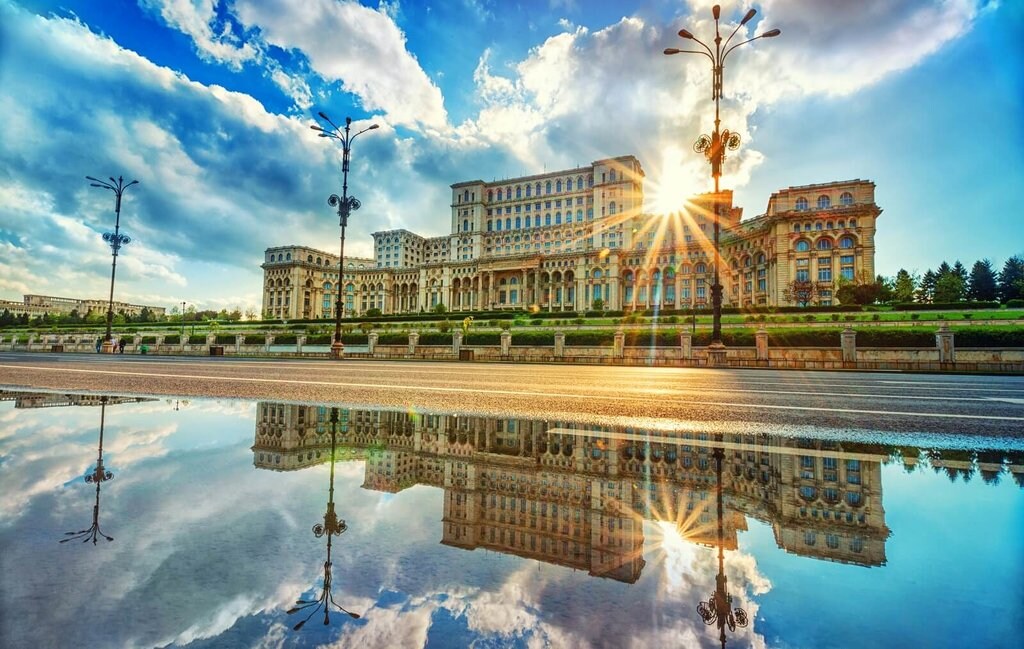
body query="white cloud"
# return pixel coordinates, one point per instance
(215, 39)
(359, 47)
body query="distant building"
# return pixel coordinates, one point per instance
(559, 241)
(37, 305)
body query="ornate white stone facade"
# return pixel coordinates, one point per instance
(560, 241)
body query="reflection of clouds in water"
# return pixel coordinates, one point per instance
(206, 545)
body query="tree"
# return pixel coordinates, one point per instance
(860, 292)
(926, 288)
(439, 308)
(801, 291)
(949, 288)
(1011, 279)
(981, 285)
(598, 305)
(250, 313)
(235, 315)
(885, 287)
(903, 287)
(960, 271)
(943, 269)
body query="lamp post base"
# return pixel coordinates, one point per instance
(716, 354)
(337, 350)
(107, 347)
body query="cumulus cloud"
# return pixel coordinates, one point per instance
(214, 35)
(359, 47)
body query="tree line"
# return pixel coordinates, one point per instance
(946, 284)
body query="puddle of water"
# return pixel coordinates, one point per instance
(222, 523)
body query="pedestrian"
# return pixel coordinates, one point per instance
(99, 343)
(121, 344)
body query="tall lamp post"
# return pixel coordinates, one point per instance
(345, 204)
(331, 527)
(718, 608)
(116, 240)
(713, 147)
(98, 475)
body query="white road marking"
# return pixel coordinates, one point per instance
(515, 393)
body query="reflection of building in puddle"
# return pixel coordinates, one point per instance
(578, 497)
(47, 400)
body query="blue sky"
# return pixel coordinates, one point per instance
(208, 104)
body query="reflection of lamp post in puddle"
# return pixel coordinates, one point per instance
(98, 475)
(331, 527)
(718, 608)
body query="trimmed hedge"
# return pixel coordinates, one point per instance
(225, 339)
(286, 339)
(944, 306)
(173, 339)
(148, 340)
(1015, 303)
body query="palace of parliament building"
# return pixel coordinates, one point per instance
(565, 240)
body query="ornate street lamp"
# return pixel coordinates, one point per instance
(115, 240)
(713, 147)
(718, 608)
(345, 204)
(98, 475)
(331, 527)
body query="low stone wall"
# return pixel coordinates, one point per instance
(943, 357)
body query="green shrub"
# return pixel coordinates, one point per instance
(393, 338)
(835, 317)
(444, 326)
(351, 339)
(810, 318)
(286, 339)
(968, 316)
(482, 338)
(506, 325)
(225, 339)
(173, 339)
(989, 337)
(324, 339)
(535, 323)
(876, 317)
(944, 306)
(492, 323)
(435, 338)
(1015, 303)
(850, 318)
(915, 316)
(534, 338)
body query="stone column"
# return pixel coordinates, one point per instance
(944, 343)
(559, 344)
(239, 341)
(456, 342)
(619, 346)
(268, 340)
(371, 341)
(506, 343)
(159, 341)
(414, 339)
(761, 343)
(299, 342)
(31, 340)
(686, 345)
(848, 342)
(183, 342)
(211, 339)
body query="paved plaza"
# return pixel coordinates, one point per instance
(661, 398)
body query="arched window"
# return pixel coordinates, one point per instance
(309, 259)
(508, 223)
(590, 180)
(846, 198)
(528, 190)
(802, 246)
(817, 226)
(597, 273)
(519, 191)
(490, 196)
(853, 498)
(319, 261)
(558, 218)
(611, 176)
(796, 227)
(760, 258)
(558, 186)
(547, 219)
(537, 189)
(830, 225)
(590, 214)
(801, 204)
(611, 207)
(465, 225)
(824, 202)
(508, 193)
(519, 223)
(497, 225)
(536, 221)
(579, 216)
(568, 185)
(547, 188)
(327, 286)
(490, 226)
(853, 223)
(579, 183)
(701, 268)
(824, 244)
(288, 256)
(846, 242)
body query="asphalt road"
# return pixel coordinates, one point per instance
(660, 398)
